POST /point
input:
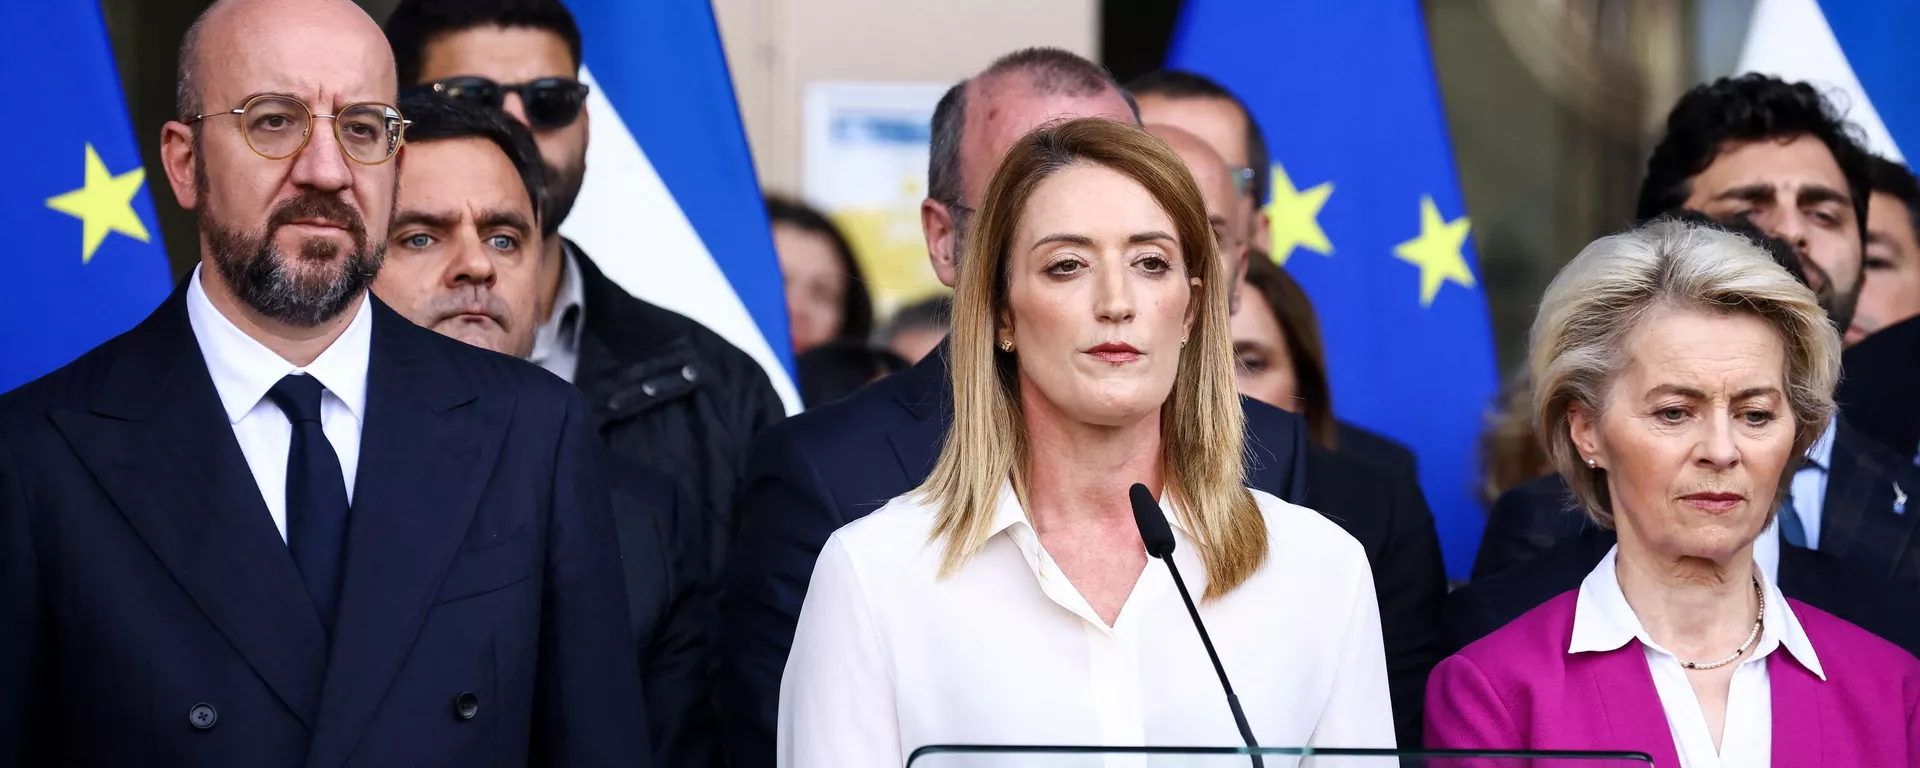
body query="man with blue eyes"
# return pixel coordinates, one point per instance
(464, 249)
(462, 259)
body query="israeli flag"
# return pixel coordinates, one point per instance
(670, 208)
(1861, 52)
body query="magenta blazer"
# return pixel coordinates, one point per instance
(1518, 688)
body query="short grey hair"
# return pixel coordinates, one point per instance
(1578, 340)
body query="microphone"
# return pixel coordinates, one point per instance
(1158, 536)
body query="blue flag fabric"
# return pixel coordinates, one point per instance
(1366, 213)
(1875, 37)
(671, 208)
(89, 264)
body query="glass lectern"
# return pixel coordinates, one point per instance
(982, 756)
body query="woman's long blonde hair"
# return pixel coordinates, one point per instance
(1201, 423)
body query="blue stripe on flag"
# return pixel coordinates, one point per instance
(1878, 38)
(661, 64)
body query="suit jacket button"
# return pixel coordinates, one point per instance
(465, 706)
(202, 716)
(687, 372)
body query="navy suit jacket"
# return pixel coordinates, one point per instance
(829, 466)
(150, 613)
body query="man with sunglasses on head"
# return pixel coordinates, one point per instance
(278, 524)
(667, 392)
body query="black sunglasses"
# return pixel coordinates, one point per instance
(550, 102)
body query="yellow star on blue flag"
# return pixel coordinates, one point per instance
(88, 254)
(1355, 107)
(104, 205)
(1437, 252)
(1293, 217)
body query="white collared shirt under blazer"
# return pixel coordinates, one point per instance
(889, 657)
(1603, 621)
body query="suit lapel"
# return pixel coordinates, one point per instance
(1621, 686)
(158, 442)
(426, 449)
(925, 392)
(1857, 518)
(1798, 732)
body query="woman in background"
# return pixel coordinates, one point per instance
(1009, 599)
(826, 294)
(1277, 351)
(1679, 372)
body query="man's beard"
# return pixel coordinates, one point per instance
(266, 280)
(565, 180)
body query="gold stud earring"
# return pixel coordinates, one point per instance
(1006, 345)
(1183, 342)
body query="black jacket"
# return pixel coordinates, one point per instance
(1376, 449)
(1385, 510)
(832, 465)
(150, 614)
(1861, 518)
(1880, 391)
(672, 396)
(670, 608)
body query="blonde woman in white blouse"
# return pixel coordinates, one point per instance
(1009, 600)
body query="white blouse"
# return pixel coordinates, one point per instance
(1603, 621)
(889, 657)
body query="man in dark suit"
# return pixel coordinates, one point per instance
(461, 259)
(818, 471)
(278, 524)
(1881, 370)
(667, 393)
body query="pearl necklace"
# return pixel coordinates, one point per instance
(1758, 620)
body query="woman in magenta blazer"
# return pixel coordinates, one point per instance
(1680, 371)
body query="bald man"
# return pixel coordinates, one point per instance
(1211, 174)
(278, 524)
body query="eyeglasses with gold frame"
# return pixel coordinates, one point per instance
(369, 132)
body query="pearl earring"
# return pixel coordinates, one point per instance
(1591, 464)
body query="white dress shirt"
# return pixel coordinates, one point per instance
(244, 369)
(1602, 622)
(889, 656)
(556, 343)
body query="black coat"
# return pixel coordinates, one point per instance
(670, 609)
(150, 613)
(827, 467)
(672, 396)
(1386, 511)
(1880, 387)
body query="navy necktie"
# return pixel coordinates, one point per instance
(316, 495)
(1791, 529)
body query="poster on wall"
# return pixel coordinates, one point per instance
(865, 165)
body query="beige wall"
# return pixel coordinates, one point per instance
(777, 47)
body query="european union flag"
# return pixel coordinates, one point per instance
(1366, 213)
(90, 263)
